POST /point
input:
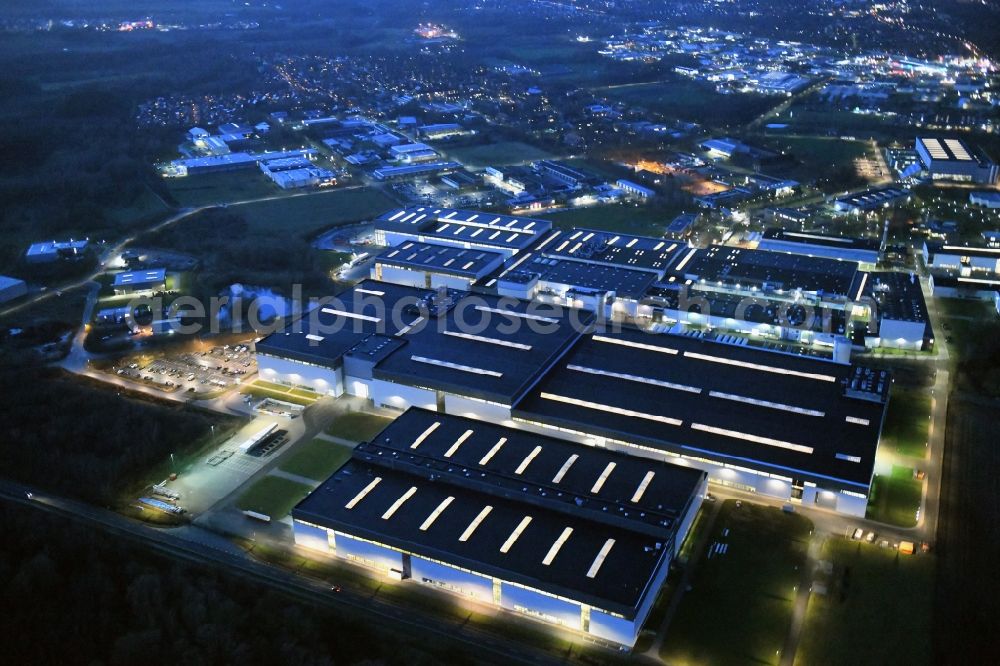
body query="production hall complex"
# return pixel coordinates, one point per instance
(560, 418)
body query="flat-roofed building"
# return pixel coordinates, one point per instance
(431, 265)
(49, 251)
(469, 229)
(11, 288)
(961, 258)
(955, 160)
(131, 282)
(865, 202)
(593, 246)
(785, 426)
(861, 250)
(575, 536)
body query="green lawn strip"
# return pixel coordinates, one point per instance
(895, 498)
(497, 154)
(876, 608)
(357, 426)
(908, 421)
(273, 496)
(740, 606)
(260, 392)
(317, 459)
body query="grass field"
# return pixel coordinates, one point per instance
(357, 426)
(493, 154)
(310, 213)
(819, 155)
(317, 459)
(908, 421)
(740, 606)
(216, 188)
(895, 498)
(260, 389)
(692, 101)
(273, 496)
(877, 608)
(627, 218)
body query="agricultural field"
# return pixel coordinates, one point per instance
(504, 153)
(308, 214)
(739, 607)
(875, 607)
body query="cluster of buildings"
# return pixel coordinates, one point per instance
(730, 61)
(48, 252)
(963, 270)
(557, 426)
(232, 162)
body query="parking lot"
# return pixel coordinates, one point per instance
(195, 371)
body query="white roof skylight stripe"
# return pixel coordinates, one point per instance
(475, 523)
(554, 550)
(766, 403)
(634, 378)
(513, 313)
(596, 488)
(527, 460)
(634, 345)
(398, 503)
(435, 513)
(456, 366)
(425, 434)
(759, 366)
(515, 534)
(458, 442)
(601, 556)
(757, 439)
(611, 410)
(487, 340)
(565, 468)
(493, 451)
(364, 491)
(350, 315)
(641, 490)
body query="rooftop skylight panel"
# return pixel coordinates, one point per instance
(759, 366)
(350, 315)
(493, 451)
(476, 522)
(370, 292)
(610, 409)
(635, 378)
(848, 458)
(514, 313)
(425, 434)
(398, 503)
(490, 341)
(521, 526)
(565, 468)
(599, 483)
(456, 366)
(601, 556)
(857, 420)
(435, 513)
(634, 345)
(957, 149)
(458, 442)
(364, 491)
(747, 437)
(527, 460)
(554, 550)
(766, 403)
(314, 338)
(641, 490)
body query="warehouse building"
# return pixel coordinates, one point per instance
(146, 281)
(863, 251)
(401, 346)
(865, 202)
(414, 170)
(780, 425)
(50, 251)
(432, 266)
(462, 228)
(574, 536)
(605, 248)
(783, 425)
(955, 160)
(961, 258)
(11, 288)
(899, 305)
